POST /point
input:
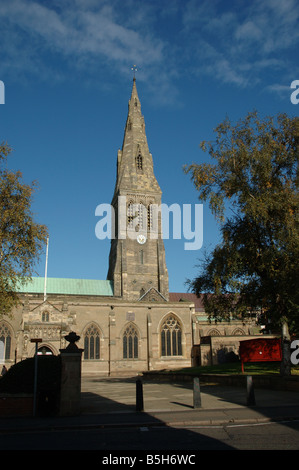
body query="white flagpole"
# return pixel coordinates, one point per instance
(46, 270)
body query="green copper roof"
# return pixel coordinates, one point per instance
(68, 286)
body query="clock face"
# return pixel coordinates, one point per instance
(141, 239)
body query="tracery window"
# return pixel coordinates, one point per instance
(238, 332)
(130, 342)
(213, 332)
(5, 341)
(171, 337)
(92, 343)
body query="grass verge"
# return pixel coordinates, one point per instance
(254, 368)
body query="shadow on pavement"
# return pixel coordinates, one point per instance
(123, 430)
(109, 420)
(270, 404)
(128, 430)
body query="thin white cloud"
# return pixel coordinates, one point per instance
(237, 42)
(248, 31)
(240, 40)
(76, 33)
(281, 89)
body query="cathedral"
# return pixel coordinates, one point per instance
(129, 322)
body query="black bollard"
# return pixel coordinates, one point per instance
(139, 395)
(196, 393)
(250, 391)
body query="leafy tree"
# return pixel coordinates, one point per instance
(21, 239)
(256, 266)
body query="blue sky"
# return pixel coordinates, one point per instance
(66, 67)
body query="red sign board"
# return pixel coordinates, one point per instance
(260, 350)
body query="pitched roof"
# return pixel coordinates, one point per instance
(96, 287)
(187, 297)
(67, 286)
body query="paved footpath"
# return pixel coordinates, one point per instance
(111, 402)
(173, 403)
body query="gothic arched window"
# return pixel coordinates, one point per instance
(139, 163)
(141, 216)
(130, 214)
(171, 337)
(45, 316)
(213, 332)
(92, 342)
(5, 341)
(150, 216)
(238, 332)
(130, 343)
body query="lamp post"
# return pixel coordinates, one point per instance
(36, 341)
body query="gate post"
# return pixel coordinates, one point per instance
(70, 392)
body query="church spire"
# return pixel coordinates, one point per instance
(134, 90)
(134, 103)
(137, 264)
(135, 159)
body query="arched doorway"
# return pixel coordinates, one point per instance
(44, 351)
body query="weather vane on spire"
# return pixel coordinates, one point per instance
(134, 68)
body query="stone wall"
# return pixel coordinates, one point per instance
(215, 350)
(110, 317)
(16, 405)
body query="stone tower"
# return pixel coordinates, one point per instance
(137, 264)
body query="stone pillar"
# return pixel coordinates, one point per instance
(70, 393)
